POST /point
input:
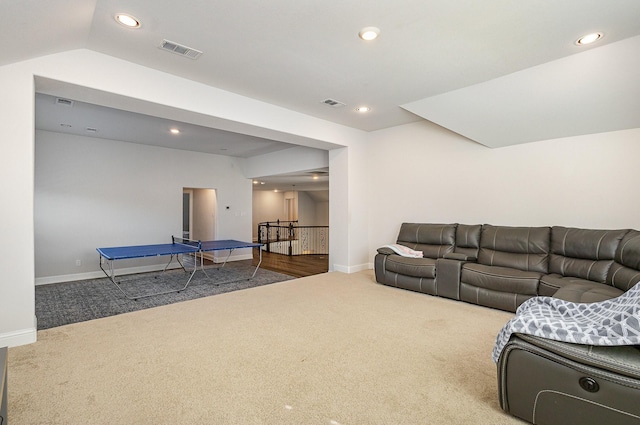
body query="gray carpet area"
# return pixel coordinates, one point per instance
(71, 302)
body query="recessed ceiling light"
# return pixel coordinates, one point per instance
(363, 109)
(589, 38)
(127, 20)
(369, 33)
(174, 131)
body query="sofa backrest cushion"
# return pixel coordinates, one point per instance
(468, 239)
(625, 270)
(434, 240)
(522, 248)
(583, 253)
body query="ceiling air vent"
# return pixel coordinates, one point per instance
(333, 103)
(180, 49)
(64, 102)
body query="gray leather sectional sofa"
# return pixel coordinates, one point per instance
(539, 380)
(502, 266)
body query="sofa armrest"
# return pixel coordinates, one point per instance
(623, 359)
(448, 272)
(385, 251)
(460, 257)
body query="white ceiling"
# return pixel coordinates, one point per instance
(497, 72)
(316, 180)
(86, 119)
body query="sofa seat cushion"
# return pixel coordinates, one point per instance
(417, 267)
(587, 292)
(502, 279)
(551, 283)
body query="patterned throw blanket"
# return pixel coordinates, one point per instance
(611, 322)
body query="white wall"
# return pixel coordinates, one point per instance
(322, 213)
(17, 290)
(423, 173)
(267, 206)
(92, 193)
(339, 218)
(306, 210)
(348, 187)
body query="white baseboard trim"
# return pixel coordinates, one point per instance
(359, 267)
(338, 268)
(98, 274)
(351, 269)
(20, 337)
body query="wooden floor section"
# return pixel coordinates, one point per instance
(295, 265)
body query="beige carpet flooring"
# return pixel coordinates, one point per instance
(332, 349)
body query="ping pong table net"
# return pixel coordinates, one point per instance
(187, 242)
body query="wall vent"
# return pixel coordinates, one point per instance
(333, 103)
(64, 102)
(181, 50)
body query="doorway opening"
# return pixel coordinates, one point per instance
(199, 210)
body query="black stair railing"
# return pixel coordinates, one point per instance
(289, 238)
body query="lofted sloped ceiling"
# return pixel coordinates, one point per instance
(499, 72)
(592, 92)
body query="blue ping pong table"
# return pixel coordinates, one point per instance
(178, 247)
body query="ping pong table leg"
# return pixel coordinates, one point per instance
(171, 260)
(195, 268)
(111, 274)
(112, 277)
(226, 259)
(202, 264)
(259, 262)
(195, 262)
(219, 267)
(246, 278)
